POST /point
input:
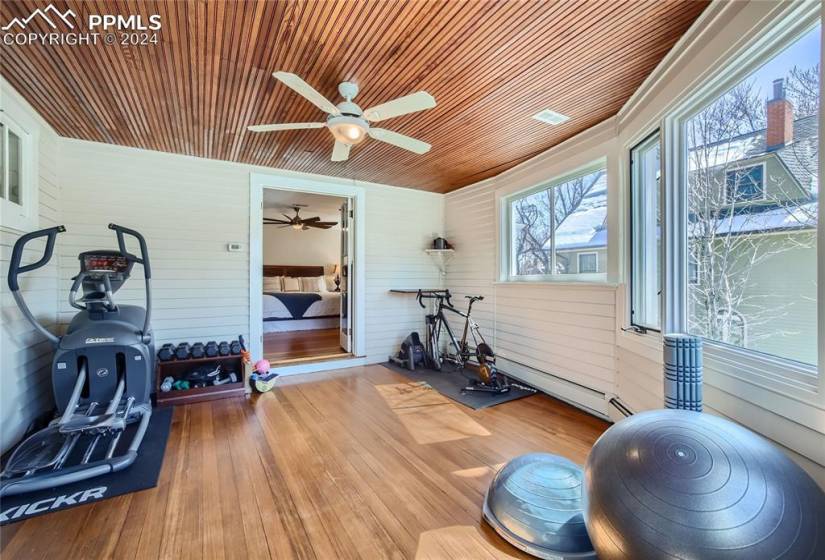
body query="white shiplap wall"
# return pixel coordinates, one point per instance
(401, 224)
(557, 336)
(25, 356)
(190, 208)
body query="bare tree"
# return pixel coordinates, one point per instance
(539, 215)
(802, 87)
(729, 233)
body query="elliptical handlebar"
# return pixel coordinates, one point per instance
(144, 253)
(15, 270)
(142, 260)
(17, 253)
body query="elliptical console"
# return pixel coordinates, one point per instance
(102, 371)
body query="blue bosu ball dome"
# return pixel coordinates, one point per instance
(535, 503)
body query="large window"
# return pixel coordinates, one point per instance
(752, 189)
(560, 230)
(646, 234)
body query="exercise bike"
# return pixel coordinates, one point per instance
(478, 357)
(102, 371)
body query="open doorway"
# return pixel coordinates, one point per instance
(306, 304)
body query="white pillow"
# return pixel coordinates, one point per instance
(292, 284)
(273, 284)
(329, 283)
(313, 284)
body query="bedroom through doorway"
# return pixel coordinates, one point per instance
(305, 301)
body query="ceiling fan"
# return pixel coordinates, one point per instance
(348, 123)
(297, 222)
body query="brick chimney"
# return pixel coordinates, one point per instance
(780, 118)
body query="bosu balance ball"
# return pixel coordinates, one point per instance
(535, 503)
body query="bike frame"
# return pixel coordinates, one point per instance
(462, 351)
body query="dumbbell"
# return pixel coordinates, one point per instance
(211, 349)
(166, 386)
(166, 352)
(198, 350)
(223, 348)
(182, 351)
(231, 378)
(235, 347)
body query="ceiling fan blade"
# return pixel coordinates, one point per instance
(275, 221)
(313, 219)
(316, 225)
(289, 218)
(401, 106)
(284, 126)
(307, 92)
(340, 152)
(396, 139)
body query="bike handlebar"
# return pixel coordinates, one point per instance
(430, 294)
(17, 254)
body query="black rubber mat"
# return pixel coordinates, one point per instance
(142, 474)
(451, 384)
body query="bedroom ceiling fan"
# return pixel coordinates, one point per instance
(348, 123)
(297, 222)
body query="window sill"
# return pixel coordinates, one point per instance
(566, 282)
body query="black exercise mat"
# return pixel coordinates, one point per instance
(142, 474)
(451, 384)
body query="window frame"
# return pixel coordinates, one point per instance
(21, 217)
(755, 376)
(507, 256)
(655, 137)
(762, 198)
(587, 254)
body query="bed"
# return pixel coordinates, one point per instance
(298, 310)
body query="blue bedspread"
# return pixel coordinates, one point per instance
(296, 302)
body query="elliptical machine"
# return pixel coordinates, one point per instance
(102, 371)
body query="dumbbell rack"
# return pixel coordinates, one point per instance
(177, 368)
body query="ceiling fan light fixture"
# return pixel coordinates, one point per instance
(348, 130)
(297, 225)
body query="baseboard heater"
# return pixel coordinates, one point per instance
(620, 407)
(595, 394)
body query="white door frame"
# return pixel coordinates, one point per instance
(330, 186)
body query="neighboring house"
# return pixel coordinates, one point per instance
(582, 257)
(753, 205)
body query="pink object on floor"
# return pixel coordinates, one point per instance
(262, 366)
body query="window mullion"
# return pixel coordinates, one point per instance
(553, 230)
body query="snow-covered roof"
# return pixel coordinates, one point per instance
(586, 227)
(770, 220)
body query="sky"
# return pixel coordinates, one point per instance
(803, 53)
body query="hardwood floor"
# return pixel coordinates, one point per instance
(325, 466)
(293, 345)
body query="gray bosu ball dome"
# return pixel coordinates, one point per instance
(681, 484)
(535, 503)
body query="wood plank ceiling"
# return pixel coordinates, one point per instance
(491, 65)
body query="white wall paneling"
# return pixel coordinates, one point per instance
(25, 355)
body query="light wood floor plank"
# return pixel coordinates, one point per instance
(326, 466)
